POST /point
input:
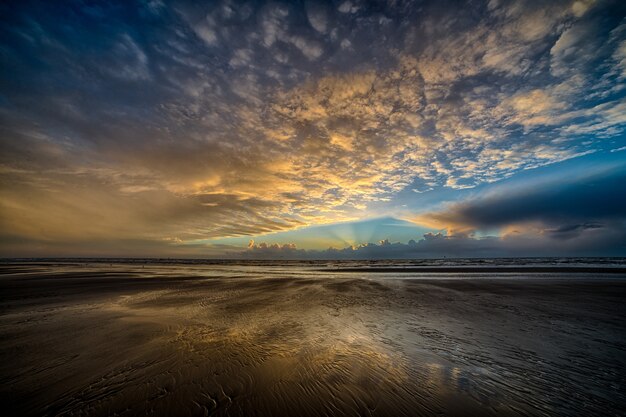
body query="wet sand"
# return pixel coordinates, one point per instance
(483, 270)
(120, 339)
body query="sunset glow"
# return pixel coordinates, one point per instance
(178, 129)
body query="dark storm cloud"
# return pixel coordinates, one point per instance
(566, 207)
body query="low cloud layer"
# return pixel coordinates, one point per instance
(561, 208)
(593, 241)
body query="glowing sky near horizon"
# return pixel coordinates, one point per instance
(154, 128)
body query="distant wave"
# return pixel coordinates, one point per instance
(400, 265)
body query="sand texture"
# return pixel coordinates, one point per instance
(127, 340)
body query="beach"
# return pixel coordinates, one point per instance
(149, 338)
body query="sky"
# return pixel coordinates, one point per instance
(311, 129)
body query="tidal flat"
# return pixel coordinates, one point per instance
(134, 339)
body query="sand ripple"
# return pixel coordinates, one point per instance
(98, 340)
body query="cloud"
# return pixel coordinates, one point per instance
(272, 24)
(317, 15)
(311, 49)
(347, 7)
(587, 240)
(562, 208)
(271, 251)
(132, 62)
(571, 230)
(204, 120)
(620, 57)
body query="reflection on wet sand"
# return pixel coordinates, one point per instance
(135, 341)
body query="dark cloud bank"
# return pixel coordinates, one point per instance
(591, 202)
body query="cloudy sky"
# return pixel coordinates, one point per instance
(282, 129)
